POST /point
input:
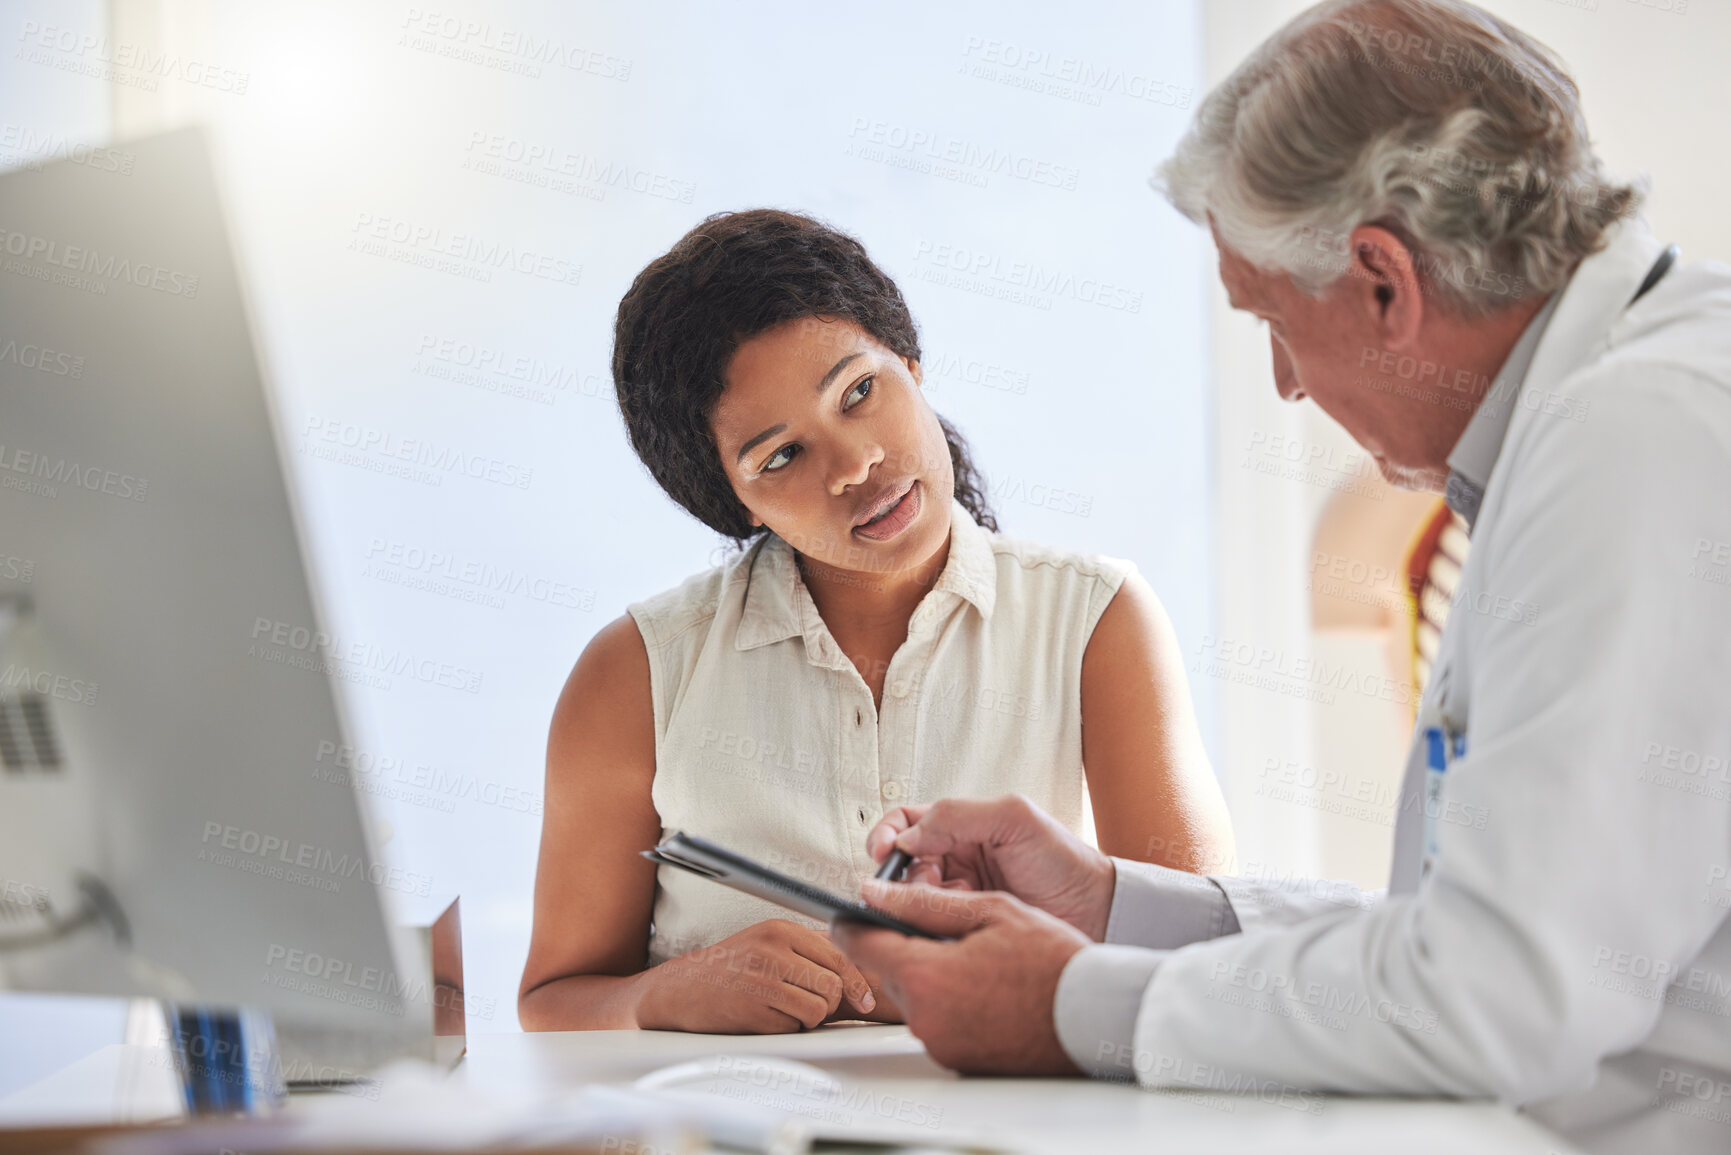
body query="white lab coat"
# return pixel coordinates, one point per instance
(1568, 949)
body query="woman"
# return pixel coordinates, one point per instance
(876, 643)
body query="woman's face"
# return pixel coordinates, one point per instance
(830, 443)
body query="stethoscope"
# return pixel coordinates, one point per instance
(1658, 271)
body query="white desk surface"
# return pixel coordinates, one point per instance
(1034, 1115)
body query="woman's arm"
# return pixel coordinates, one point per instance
(1154, 794)
(594, 893)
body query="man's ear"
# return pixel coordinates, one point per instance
(1386, 285)
(914, 368)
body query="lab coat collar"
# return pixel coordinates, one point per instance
(778, 606)
(1586, 310)
(1475, 454)
(1593, 302)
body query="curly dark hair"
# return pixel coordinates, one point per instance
(731, 278)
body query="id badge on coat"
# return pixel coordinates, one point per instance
(1437, 743)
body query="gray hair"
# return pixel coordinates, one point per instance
(1432, 118)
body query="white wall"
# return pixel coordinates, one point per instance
(46, 113)
(353, 115)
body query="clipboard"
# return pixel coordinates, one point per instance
(706, 859)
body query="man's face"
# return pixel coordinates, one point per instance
(1319, 344)
(828, 441)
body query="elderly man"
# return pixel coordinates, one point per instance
(1411, 181)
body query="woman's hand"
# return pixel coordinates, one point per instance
(773, 977)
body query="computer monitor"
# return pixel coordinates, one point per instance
(170, 825)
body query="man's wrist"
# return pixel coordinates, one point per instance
(1096, 904)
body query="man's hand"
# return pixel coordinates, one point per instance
(983, 1004)
(1006, 844)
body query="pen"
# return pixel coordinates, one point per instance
(894, 864)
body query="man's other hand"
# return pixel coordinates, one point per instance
(981, 1004)
(1006, 844)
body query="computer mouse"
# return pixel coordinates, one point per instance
(761, 1072)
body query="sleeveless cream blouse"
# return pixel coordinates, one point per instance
(767, 740)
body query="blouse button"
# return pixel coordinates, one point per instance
(892, 790)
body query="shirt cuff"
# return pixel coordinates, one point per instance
(1157, 907)
(1099, 998)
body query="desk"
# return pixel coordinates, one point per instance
(1036, 1115)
